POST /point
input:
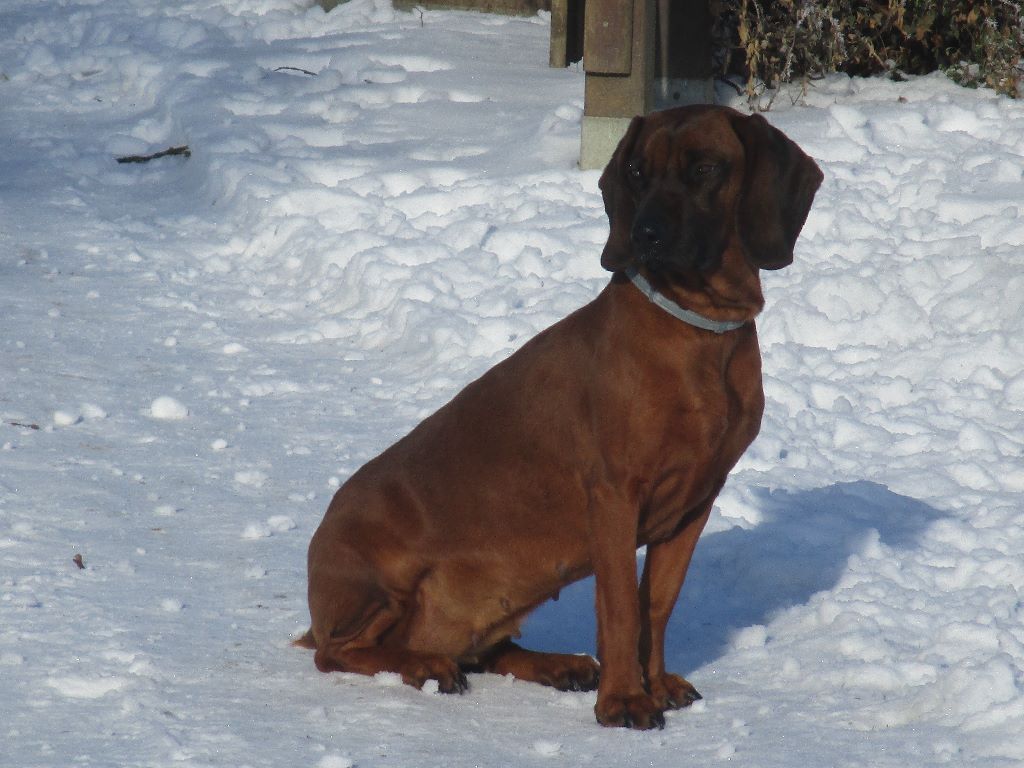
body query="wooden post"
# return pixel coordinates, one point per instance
(683, 68)
(618, 56)
(566, 32)
(639, 55)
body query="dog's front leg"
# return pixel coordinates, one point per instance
(664, 572)
(621, 698)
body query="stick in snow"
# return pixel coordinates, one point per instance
(296, 69)
(182, 150)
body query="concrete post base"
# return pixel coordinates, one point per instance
(599, 138)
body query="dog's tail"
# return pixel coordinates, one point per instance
(306, 641)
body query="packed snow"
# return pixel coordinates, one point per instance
(377, 207)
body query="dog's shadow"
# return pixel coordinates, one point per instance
(743, 576)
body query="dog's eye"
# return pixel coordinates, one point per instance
(635, 172)
(705, 169)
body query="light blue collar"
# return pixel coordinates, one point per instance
(687, 316)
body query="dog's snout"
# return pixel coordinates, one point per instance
(648, 234)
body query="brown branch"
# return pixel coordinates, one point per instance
(183, 150)
(297, 69)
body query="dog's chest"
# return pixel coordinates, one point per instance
(705, 435)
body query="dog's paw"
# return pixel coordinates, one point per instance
(445, 671)
(572, 673)
(638, 711)
(673, 692)
(456, 683)
(564, 671)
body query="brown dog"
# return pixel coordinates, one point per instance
(612, 429)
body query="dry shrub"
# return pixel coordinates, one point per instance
(769, 43)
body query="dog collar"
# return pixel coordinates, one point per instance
(686, 315)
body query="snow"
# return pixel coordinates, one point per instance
(166, 408)
(196, 352)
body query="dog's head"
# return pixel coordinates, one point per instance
(684, 182)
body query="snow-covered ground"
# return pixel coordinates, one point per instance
(194, 352)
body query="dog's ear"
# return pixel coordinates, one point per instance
(618, 201)
(778, 188)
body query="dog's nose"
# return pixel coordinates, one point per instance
(648, 234)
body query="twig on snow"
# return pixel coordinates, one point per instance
(22, 424)
(296, 69)
(183, 150)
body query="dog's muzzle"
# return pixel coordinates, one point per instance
(648, 236)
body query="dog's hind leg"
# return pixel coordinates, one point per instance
(564, 671)
(351, 618)
(415, 668)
